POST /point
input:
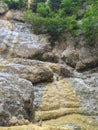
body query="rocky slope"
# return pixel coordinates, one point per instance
(34, 89)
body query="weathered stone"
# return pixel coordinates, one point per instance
(20, 42)
(35, 74)
(70, 56)
(5, 25)
(34, 70)
(86, 91)
(88, 58)
(34, 127)
(16, 97)
(3, 7)
(87, 63)
(15, 121)
(18, 15)
(54, 100)
(74, 122)
(50, 57)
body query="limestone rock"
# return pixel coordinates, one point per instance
(20, 42)
(16, 97)
(18, 15)
(51, 57)
(14, 15)
(70, 56)
(88, 58)
(86, 90)
(36, 73)
(54, 100)
(5, 25)
(3, 8)
(87, 63)
(74, 122)
(33, 127)
(15, 121)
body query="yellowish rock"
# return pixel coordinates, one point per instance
(33, 127)
(42, 115)
(84, 122)
(58, 98)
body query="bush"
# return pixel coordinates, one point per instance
(42, 9)
(72, 25)
(90, 25)
(53, 26)
(36, 20)
(15, 4)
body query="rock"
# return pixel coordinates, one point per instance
(55, 99)
(86, 91)
(34, 70)
(18, 15)
(9, 15)
(5, 26)
(88, 58)
(20, 42)
(73, 122)
(36, 73)
(12, 122)
(33, 127)
(70, 56)
(87, 63)
(73, 126)
(16, 97)
(3, 7)
(50, 57)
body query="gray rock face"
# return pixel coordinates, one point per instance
(20, 42)
(16, 97)
(34, 73)
(3, 8)
(88, 57)
(87, 92)
(70, 56)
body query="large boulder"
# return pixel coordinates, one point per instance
(36, 73)
(3, 7)
(34, 70)
(16, 98)
(21, 42)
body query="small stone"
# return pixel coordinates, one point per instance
(12, 121)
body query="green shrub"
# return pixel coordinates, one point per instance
(15, 4)
(72, 25)
(53, 26)
(90, 25)
(36, 20)
(42, 9)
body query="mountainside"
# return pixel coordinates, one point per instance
(48, 65)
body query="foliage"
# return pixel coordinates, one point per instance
(15, 4)
(42, 9)
(90, 24)
(72, 25)
(54, 4)
(56, 16)
(53, 26)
